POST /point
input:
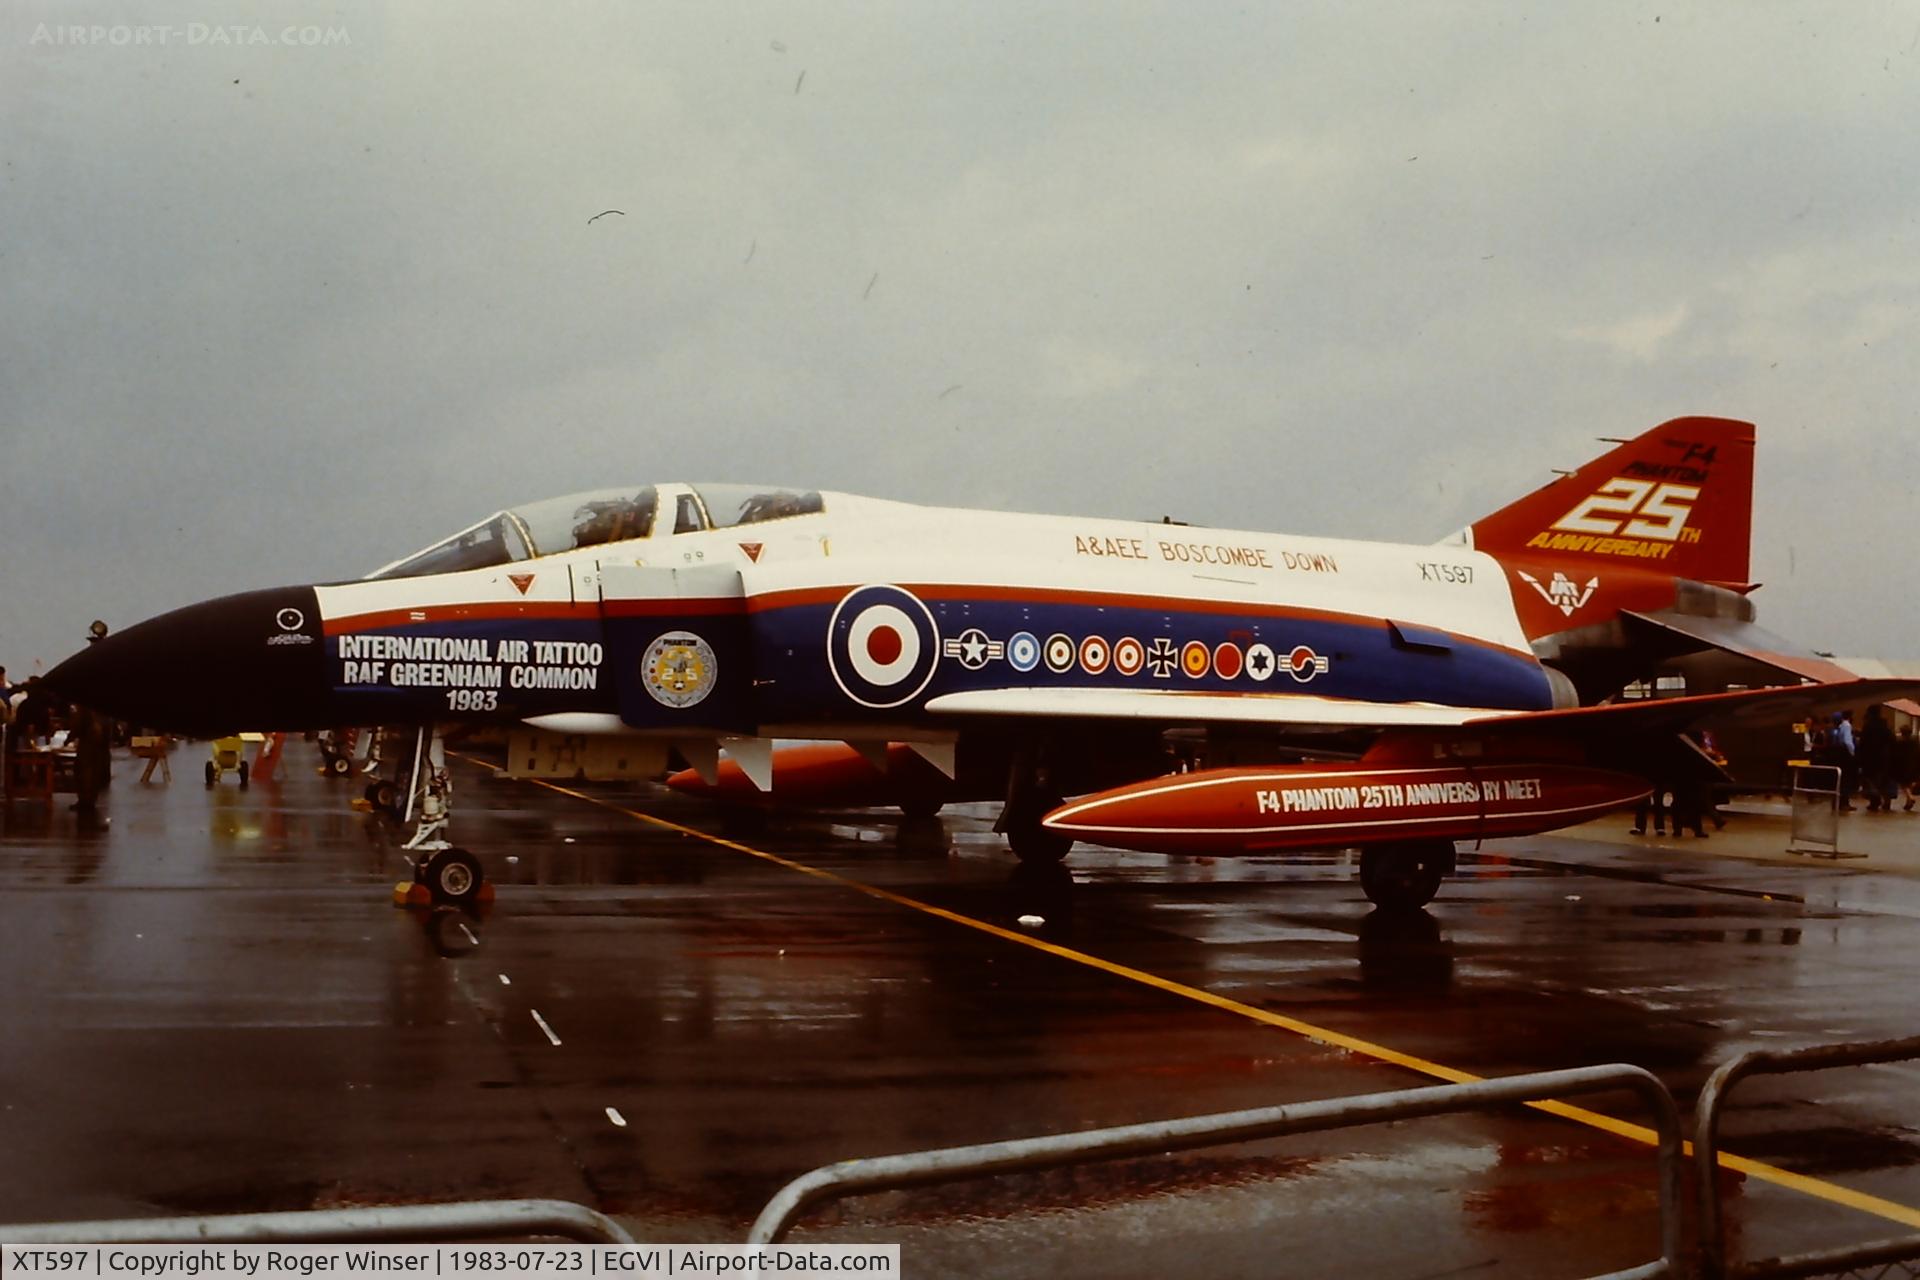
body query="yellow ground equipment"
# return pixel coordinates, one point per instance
(230, 753)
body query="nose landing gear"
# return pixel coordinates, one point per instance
(443, 874)
(452, 876)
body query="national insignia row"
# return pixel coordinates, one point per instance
(1059, 653)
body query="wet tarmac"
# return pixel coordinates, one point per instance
(209, 1005)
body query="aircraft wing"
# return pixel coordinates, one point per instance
(1650, 716)
(1674, 715)
(1745, 640)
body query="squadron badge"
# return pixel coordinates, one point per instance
(679, 669)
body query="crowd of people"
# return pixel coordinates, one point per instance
(34, 718)
(29, 713)
(1687, 797)
(1876, 763)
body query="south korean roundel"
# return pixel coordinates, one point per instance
(882, 645)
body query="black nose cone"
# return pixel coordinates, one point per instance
(251, 661)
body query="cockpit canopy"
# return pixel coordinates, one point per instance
(602, 516)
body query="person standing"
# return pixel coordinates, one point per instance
(1655, 802)
(1688, 807)
(33, 714)
(1876, 761)
(93, 757)
(1906, 764)
(1840, 742)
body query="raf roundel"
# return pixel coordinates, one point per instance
(679, 670)
(882, 645)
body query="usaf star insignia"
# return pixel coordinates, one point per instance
(973, 650)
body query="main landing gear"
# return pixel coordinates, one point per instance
(442, 873)
(336, 752)
(1031, 795)
(392, 755)
(1404, 877)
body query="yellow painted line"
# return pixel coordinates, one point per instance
(1816, 1187)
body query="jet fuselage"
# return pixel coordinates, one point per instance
(867, 613)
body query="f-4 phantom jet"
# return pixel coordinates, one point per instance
(1196, 689)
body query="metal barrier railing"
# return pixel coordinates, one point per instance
(889, 1173)
(401, 1224)
(1706, 1156)
(498, 1219)
(1815, 805)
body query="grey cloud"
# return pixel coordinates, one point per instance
(1360, 272)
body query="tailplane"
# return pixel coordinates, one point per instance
(1677, 500)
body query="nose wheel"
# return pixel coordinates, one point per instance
(453, 876)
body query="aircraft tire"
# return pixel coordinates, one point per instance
(453, 876)
(213, 774)
(1404, 877)
(1032, 842)
(383, 795)
(243, 773)
(921, 809)
(339, 766)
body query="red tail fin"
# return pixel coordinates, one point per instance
(1677, 500)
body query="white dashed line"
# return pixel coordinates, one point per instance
(470, 938)
(544, 1027)
(505, 981)
(613, 1114)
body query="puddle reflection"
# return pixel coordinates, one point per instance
(1404, 950)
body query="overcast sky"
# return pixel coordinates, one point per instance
(281, 305)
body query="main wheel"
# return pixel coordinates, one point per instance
(243, 773)
(1032, 842)
(339, 766)
(921, 808)
(453, 876)
(1404, 877)
(213, 774)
